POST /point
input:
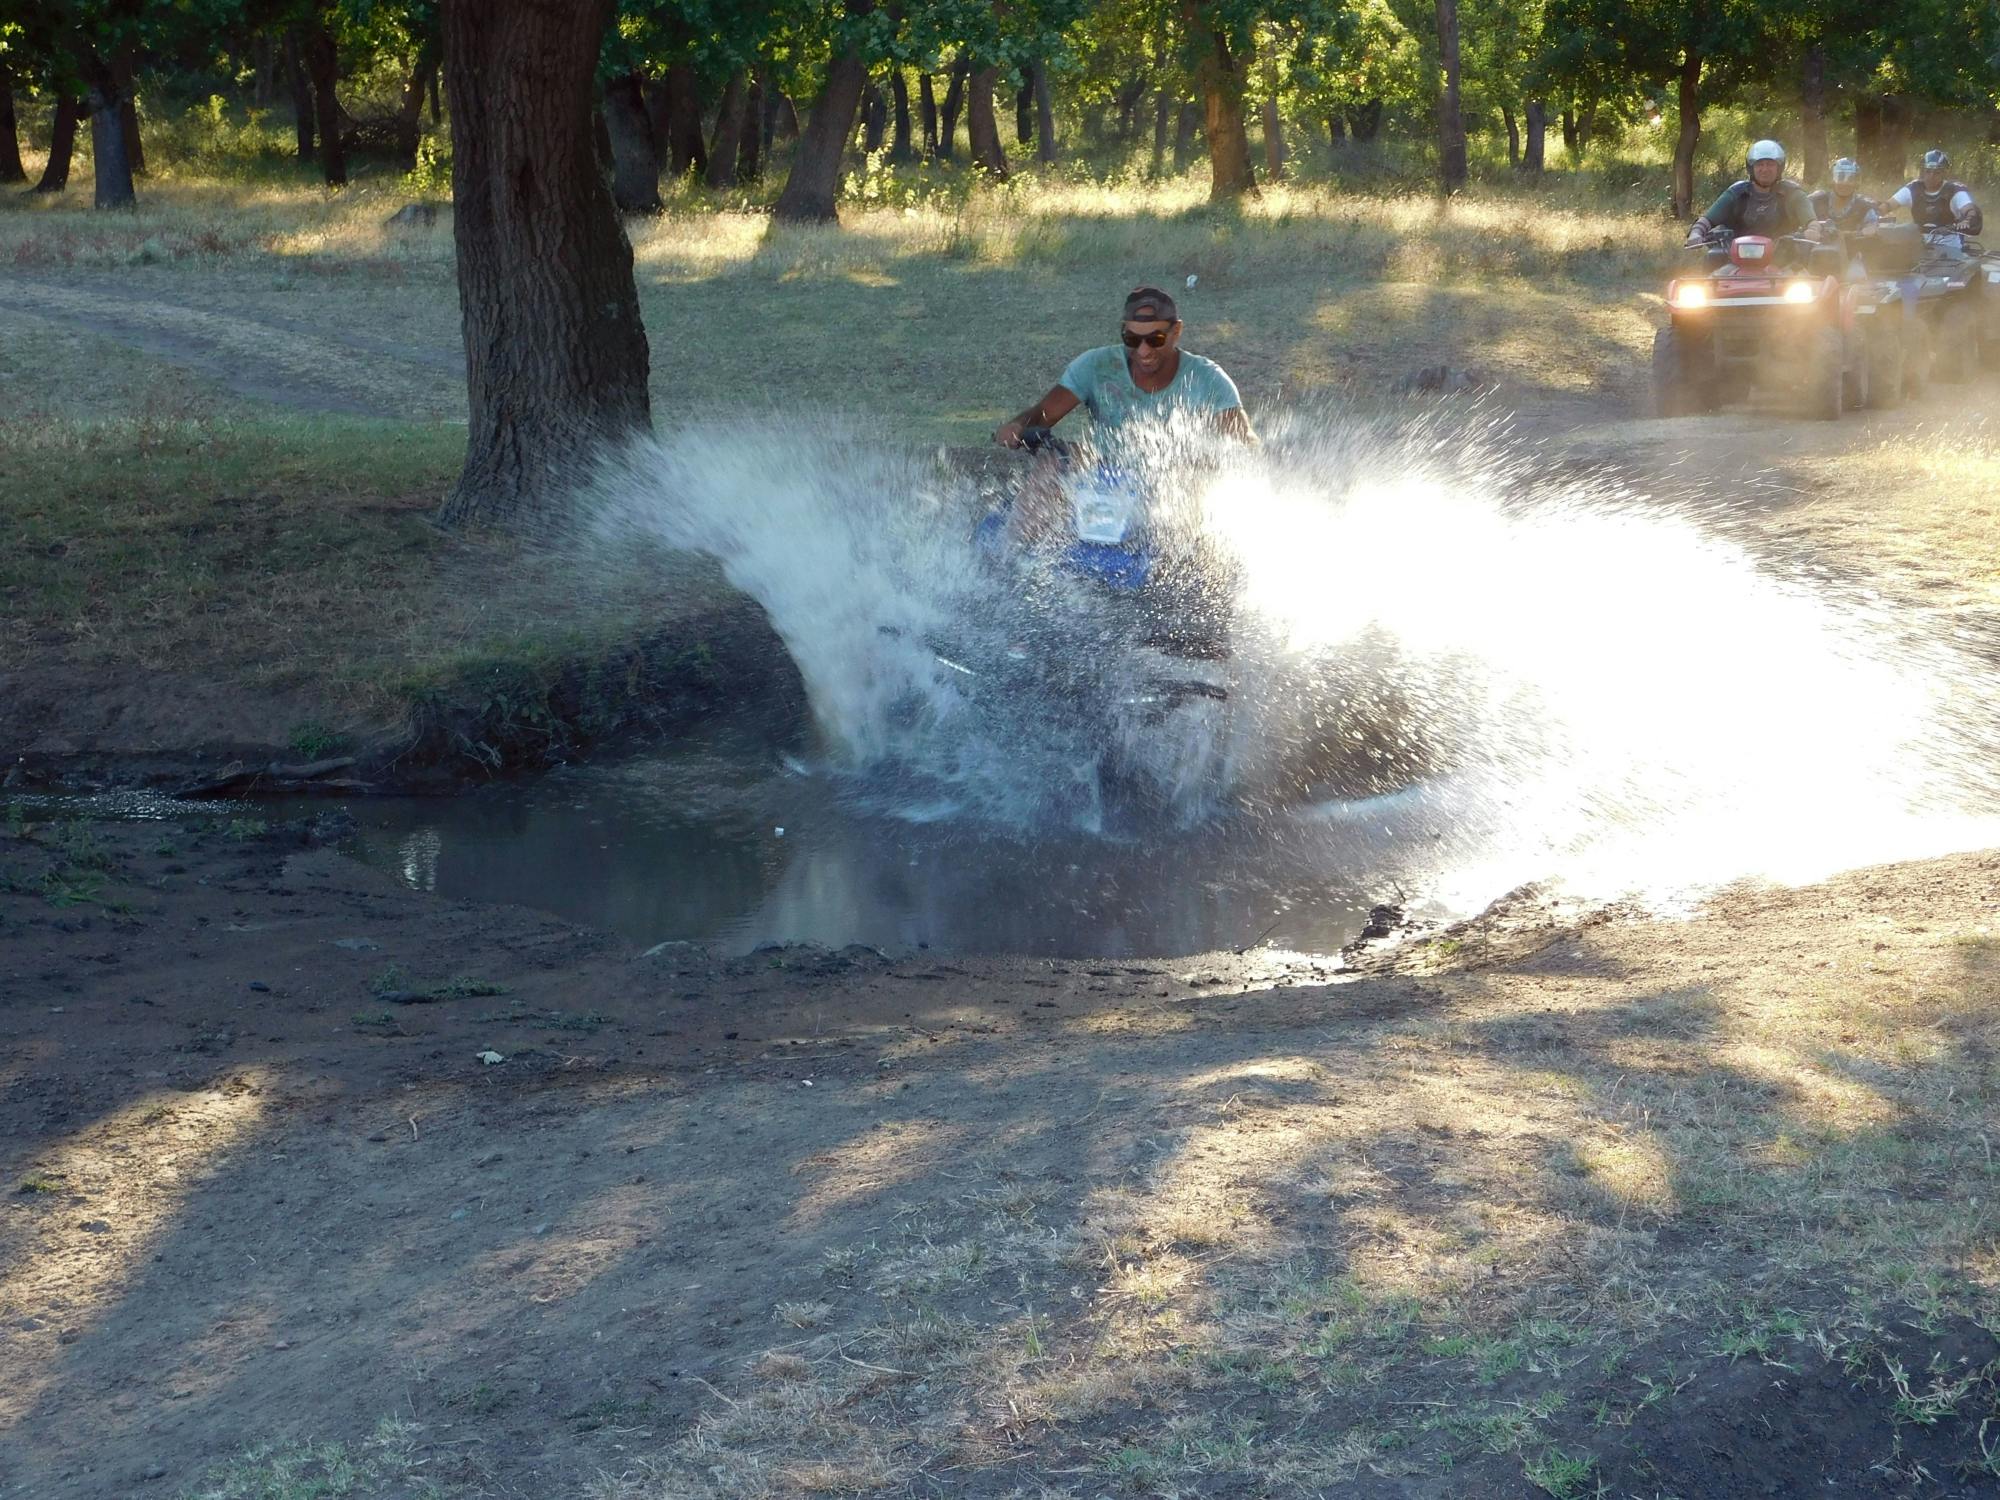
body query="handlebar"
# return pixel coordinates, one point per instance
(1038, 439)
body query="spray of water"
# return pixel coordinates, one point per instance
(1454, 666)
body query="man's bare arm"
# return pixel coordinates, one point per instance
(1051, 409)
(1235, 423)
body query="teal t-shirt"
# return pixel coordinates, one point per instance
(1103, 383)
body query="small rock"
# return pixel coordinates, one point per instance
(378, 1137)
(490, 1057)
(458, 1213)
(95, 1226)
(260, 987)
(157, 1471)
(539, 1229)
(357, 944)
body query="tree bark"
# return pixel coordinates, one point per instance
(981, 127)
(1571, 139)
(302, 99)
(555, 354)
(732, 116)
(62, 146)
(750, 148)
(1024, 114)
(124, 73)
(1365, 120)
(1532, 151)
(264, 60)
(901, 151)
(874, 119)
(1451, 122)
(111, 167)
(814, 183)
(410, 117)
(323, 63)
(1274, 125)
(954, 101)
(1688, 94)
(1045, 114)
(435, 88)
(1184, 129)
(927, 113)
(635, 155)
(685, 151)
(1218, 73)
(11, 168)
(1163, 108)
(1336, 132)
(1813, 102)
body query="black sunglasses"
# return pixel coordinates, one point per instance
(1157, 339)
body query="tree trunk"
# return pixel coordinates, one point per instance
(1129, 97)
(1163, 108)
(323, 63)
(685, 151)
(1184, 129)
(901, 151)
(1045, 115)
(62, 146)
(1688, 94)
(11, 169)
(981, 128)
(814, 182)
(1813, 102)
(1336, 132)
(124, 73)
(555, 354)
(1218, 73)
(635, 155)
(750, 149)
(435, 88)
(301, 87)
(874, 119)
(954, 101)
(784, 118)
(1024, 114)
(264, 61)
(731, 121)
(1513, 128)
(1365, 121)
(111, 167)
(927, 112)
(1274, 125)
(1451, 122)
(410, 117)
(1532, 152)
(1895, 144)
(1571, 140)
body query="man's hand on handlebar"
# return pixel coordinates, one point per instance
(1008, 434)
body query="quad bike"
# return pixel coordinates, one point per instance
(1952, 288)
(1118, 625)
(1763, 312)
(1897, 338)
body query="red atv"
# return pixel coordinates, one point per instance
(1776, 313)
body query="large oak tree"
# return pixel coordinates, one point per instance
(555, 355)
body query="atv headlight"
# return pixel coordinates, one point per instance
(1690, 294)
(1801, 291)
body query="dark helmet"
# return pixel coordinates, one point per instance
(1846, 170)
(1936, 161)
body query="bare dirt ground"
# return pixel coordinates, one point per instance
(313, 1187)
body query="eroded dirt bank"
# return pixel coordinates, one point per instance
(1686, 1208)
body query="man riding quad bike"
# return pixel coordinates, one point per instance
(1954, 288)
(1767, 304)
(1126, 607)
(1898, 342)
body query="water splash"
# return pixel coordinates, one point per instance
(1456, 666)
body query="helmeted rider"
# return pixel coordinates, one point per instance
(1841, 205)
(1766, 202)
(1937, 201)
(1150, 376)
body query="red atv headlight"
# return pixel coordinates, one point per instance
(1686, 295)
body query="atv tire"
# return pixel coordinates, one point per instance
(1678, 390)
(1857, 380)
(1885, 369)
(1824, 377)
(1916, 356)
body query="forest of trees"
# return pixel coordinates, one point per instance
(558, 115)
(712, 88)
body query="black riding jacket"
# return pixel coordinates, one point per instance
(1854, 216)
(1934, 211)
(1743, 210)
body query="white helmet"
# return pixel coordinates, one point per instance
(1846, 169)
(1765, 151)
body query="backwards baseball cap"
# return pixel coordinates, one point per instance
(1148, 304)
